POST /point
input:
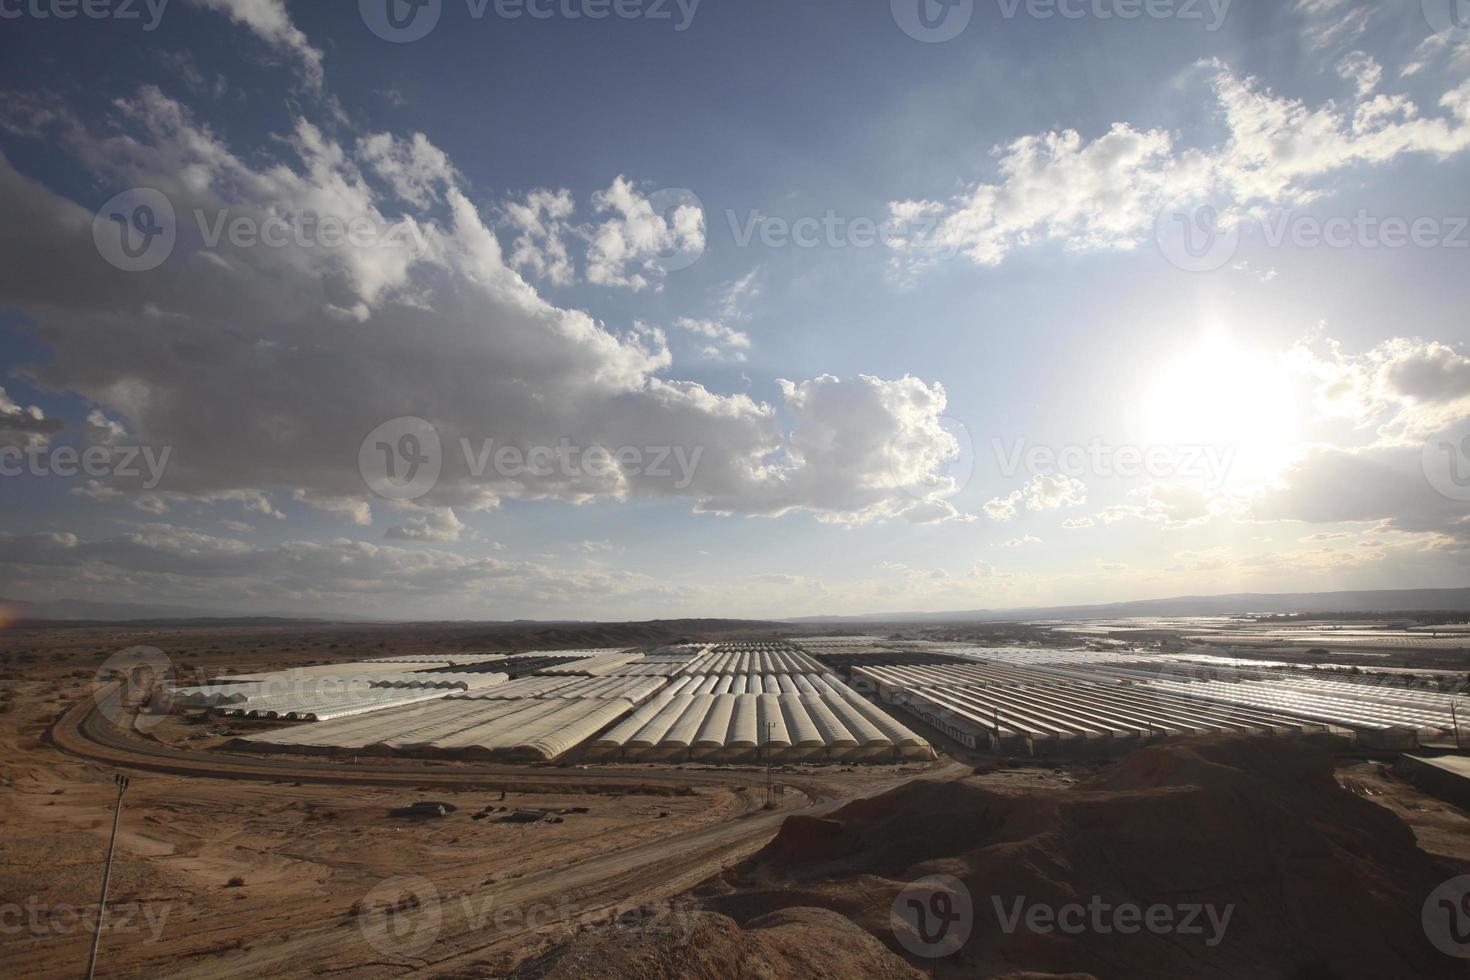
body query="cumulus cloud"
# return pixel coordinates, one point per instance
(24, 427)
(269, 21)
(1044, 492)
(265, 368)
(1403, 389)
(723, 342)
(542, 225)
(1362, 70)
(437, 525)
(1383, 485)
(1171, 506)
(1105, 193)
(629, 248)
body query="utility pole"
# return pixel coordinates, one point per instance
(122, 785)
(770, 727)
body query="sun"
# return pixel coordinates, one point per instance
(1224, 396)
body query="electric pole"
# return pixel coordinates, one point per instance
(122, 785)
(770, 727)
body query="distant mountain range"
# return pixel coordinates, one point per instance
(86, 610)
(1389, 601)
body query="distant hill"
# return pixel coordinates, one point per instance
(1389, 601)
(548, 633)
(85, 610)
(72, 609)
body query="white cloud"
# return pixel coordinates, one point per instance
(1362, 70)
(416, 169)
(1437, 47)
(1330, 24)
(1172, 506)
(1384, 485)
(626, 249)
(734, 296)
(1023, 541)
(268, 20)
(232, 355)
(727, 342)
(1105, 193)
(542, 224)
(24, 427)
(440, 524)
(1044, 492)
(1404, 388)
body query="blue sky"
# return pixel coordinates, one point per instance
(852, 402)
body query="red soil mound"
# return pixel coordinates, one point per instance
(1316, 882)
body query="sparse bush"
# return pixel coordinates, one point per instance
(235, 882)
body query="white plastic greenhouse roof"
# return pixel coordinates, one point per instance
(533, 729)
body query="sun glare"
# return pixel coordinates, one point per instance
(1220, 395)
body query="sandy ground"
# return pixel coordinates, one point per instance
(319, 867)
(224, 878)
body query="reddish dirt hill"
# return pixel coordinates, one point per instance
(1319, 883)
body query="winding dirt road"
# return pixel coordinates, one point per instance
(476, 926)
